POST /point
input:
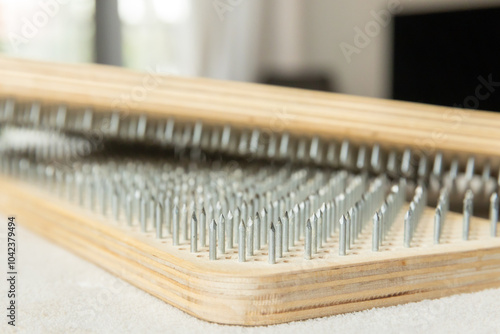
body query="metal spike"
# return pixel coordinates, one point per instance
(243, 144)
(194, 233)
(454, 169)
(287, 232)
(222, 234)
(283, 150)
(114, 124)
(203, 228)
(250, 237)
(314, 226)
(254, 141)
(469, 170)
(141, 126)
(407, 228)
(230, 230)
(348, 217)
(486, 174)
(61, 117)
(241, 242)
(467, 212)
(494, 213)
(331, 154)
(323, 223)
(406, 162)
(437, 225)
(301, 149)
(422, 167)
(87, 120)
(211, 213)
(308, 241)
(169, 131)
(212, 242)
(313, 151)
(175, 227)
(392, 163)
(438, 165)
(35, 113)
(302, 220)
(279, 238)
(272, 245)
(244, 211)
(236, 219)
(319, 230)
(225, 139)
(375, 158)
(353, 215)
(275, 211)
(296, 223)
(342, 235)
(218, 209)
(344, 154)
(257, 231)
(385, 221)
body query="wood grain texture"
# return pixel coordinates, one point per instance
(256, 293)
(307, 113)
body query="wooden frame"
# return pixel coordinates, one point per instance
(256, 293)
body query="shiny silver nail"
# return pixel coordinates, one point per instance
(437, 225)
(272, 244)
(279, 238)
(494, 213)
(194, 233)
(249, 237)
(241, 242)
(342, 235)
(212, 240)
(222, 234)
(308, 241)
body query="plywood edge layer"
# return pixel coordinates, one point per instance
(411, 279)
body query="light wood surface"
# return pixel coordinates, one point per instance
(256, 293)
(306, 113)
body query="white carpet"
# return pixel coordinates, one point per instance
(61, 293)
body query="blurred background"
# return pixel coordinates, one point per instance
(443, 52)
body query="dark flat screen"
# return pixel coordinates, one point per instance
(448, 58)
